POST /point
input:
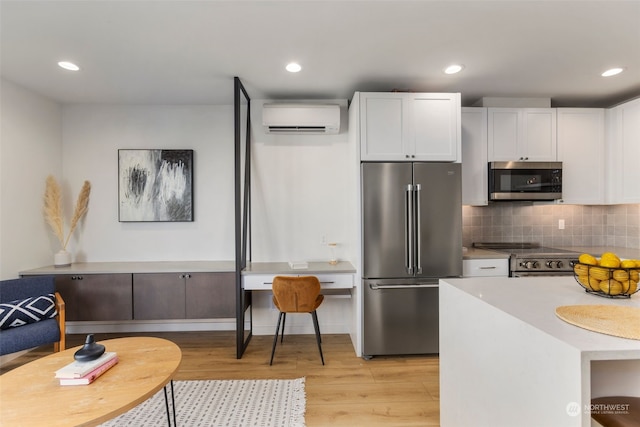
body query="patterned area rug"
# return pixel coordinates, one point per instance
(265, 403)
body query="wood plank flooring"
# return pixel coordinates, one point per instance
(347, 391)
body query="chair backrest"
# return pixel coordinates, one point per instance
(25, 287)
(296, 294)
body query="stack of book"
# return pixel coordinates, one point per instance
(81, 373)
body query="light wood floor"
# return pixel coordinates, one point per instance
(347, 391)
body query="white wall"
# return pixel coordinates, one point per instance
(92, 136)
(300, 193)
(30, 149)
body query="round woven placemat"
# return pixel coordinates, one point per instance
(619, 321)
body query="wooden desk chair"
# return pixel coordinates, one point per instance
(296, 295)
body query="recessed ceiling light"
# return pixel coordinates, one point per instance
(68, 66)
(612, 72)
(293, 67)
(452, 69)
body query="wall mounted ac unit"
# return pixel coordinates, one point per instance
(301, 118)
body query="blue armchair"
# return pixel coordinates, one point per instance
(32, 314)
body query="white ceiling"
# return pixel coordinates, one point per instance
(187, 52)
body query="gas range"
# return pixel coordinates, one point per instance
(531, 259)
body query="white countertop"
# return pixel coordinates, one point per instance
(283, 268)
(625, 253)
(533, 300)
(137, 267)
(475, 253)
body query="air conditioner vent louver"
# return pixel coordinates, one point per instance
(295, 129)
(301, 119)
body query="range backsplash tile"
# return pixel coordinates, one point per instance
(614, 225)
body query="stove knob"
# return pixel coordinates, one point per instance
(531, 264)
(559, 264)
(550, 264)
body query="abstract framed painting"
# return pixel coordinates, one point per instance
(155, 185)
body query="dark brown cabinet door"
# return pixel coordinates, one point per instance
(90, 297)
(158, 296)
(210, 295)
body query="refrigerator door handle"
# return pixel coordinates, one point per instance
(418, 236)
(408, 237)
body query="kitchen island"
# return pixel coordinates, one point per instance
(506, 359)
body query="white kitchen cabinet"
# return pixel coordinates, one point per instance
(623, 153)
(522, 134)
(474, 156)
(409, 126)
(485, 267)
(581, 149)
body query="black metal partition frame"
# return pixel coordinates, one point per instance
(242, 122)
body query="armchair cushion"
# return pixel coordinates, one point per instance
(30, 310)
(29, 336)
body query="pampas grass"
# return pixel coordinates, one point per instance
(53, 211)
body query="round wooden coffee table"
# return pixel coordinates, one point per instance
(30, 395)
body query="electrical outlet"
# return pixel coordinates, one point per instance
(561, 224)
(324, 240)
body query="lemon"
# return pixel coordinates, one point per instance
(611, 287)
(588, 259)
(628, 263)
(633, 286)
(626, 285)
(609, 262)
(634, 275)
(620, 275)
(581, 270)
(599, 273)
(589, 283)
(609, 255)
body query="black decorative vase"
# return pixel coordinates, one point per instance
(90, 351)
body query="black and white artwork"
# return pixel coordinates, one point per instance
(155, 185)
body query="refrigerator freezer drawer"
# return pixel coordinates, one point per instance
(400, 318)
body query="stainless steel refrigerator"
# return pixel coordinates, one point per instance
(412, 237)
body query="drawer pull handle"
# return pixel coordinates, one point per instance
(493, 267)
(271, 283)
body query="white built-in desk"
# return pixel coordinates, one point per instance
(258, 276)
(338, 312)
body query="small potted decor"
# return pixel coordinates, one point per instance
(54, 216)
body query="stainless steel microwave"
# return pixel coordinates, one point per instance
(526, 181)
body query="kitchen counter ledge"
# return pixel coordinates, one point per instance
(475, 253)
(342, 267)
(136, 267)
(624, 253)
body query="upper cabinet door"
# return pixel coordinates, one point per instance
(623, 152)
(435, 125)
(384, 123)
(522, 134)
(410, 127)
(581, 151)
(539, 134)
